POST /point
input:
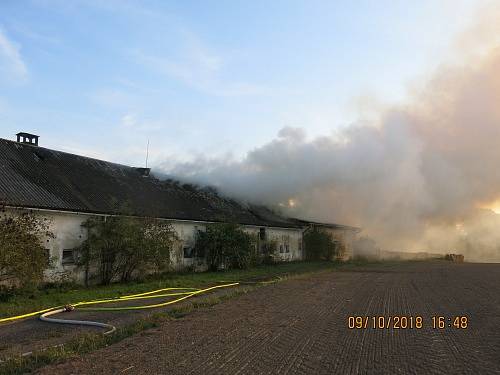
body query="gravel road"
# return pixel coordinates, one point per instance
(301, 326)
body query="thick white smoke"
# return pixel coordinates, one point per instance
(414, 180)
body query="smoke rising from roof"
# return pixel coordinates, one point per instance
(415, 179)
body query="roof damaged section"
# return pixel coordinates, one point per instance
(308, 223)
(37, 177)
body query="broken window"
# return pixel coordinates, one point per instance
(188, 252)
(68, 257)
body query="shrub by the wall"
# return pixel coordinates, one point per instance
(121, 247)
(320, 245)
(22, 255)
(225, 245)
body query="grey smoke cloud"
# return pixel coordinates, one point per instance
(414, 180)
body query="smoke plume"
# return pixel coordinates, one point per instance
(418, 178)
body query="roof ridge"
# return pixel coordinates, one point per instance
(72, 182)
(68, 153)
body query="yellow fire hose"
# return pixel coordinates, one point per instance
(185, 293)
(188, 295)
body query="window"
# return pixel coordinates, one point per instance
(188, 252)
(68, 257)
(287, 248)
(281, 248)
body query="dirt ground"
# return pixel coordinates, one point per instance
(32, 334)
(300, 326)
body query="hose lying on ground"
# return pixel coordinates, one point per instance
(45, 318)
(191, 294)
(184, 292)
(115, 299)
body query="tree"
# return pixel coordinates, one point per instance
(23, 259)
(225, 245)
(120, 247)
(320, 245)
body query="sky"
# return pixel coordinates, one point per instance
(210, 78)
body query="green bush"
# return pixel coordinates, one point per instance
(22, 255)
(120, 247)
(320, 245)
(7, 293)
(225, 246)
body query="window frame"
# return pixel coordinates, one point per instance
(65, 261)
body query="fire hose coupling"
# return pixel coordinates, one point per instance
(69, 308)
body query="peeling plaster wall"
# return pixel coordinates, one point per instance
(69, 233)
(283, 236)
(186, 232)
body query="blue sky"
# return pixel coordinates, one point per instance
(211, 78)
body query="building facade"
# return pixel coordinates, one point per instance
(67, 189)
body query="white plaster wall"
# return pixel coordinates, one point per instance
(186, 232)
(290, 237)
(69, 233)
(283, 236)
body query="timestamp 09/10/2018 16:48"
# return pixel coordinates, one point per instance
(407, 322)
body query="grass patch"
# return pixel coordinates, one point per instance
(82, 344)
(49, 297)
(87, 343)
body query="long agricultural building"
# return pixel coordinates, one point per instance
(68, 188)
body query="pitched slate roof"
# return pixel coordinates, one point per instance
(38, 177)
